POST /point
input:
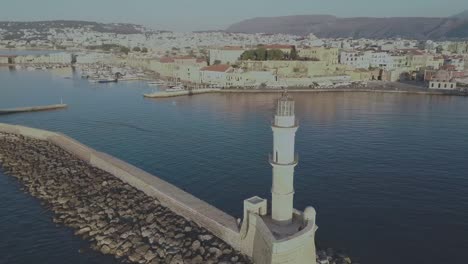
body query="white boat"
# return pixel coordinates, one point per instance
(178, 88)
(156, 83)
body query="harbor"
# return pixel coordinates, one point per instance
(229, 137)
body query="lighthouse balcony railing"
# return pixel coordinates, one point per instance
(296, 124)
(273, 159)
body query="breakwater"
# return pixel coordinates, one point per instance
(165, 94)
(32, 109)
(114, 215)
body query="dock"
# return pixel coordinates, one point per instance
(32, 109)
(164, 94)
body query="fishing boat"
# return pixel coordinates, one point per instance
(107, 80)
(156, 83)
(177, 88)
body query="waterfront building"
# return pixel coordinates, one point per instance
(281, 234)
(442, 84)
(215, 74)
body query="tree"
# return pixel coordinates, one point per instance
(248, 55)
(216, 62)
(261, 54)
(124, 50)
(293, 55)
(136, 49)
(275, 54)
(144, 50)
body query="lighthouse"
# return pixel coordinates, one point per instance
(284, 234)
(283, 160)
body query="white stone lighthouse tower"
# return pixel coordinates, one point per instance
(283, 160)
(286, 235)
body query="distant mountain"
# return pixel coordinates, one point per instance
(327, 26)
(15, 30)
(462, 15)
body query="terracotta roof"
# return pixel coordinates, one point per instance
(184, 58)
(217, 68)
(166, 60)
(278, 46)
(201, 60)
(232, 48)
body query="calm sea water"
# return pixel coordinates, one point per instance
(387, 173)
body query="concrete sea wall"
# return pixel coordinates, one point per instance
(165, 94)
(32, 109)
(169, 196)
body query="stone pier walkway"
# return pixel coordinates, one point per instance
(116, 218)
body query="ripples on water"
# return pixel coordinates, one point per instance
(386, 172)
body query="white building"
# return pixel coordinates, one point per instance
(215, 74)
(458, 63)
(380, 59)
(444, 85)
(356, 59)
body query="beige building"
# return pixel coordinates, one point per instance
(226, 55)
(177, 67)
(328, 55)
(286, 49)
(293, 69)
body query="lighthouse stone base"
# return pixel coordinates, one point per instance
(268, 242)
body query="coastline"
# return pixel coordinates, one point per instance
(307, 90)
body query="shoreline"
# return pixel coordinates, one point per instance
(295, 90)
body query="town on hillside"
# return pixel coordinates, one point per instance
(237, 60)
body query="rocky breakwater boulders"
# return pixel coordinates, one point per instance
(116, 218)
(330, 256)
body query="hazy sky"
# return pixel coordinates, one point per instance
(186, 15)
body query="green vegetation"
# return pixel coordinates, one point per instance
(216, 62)
(136, 49)
(110, 47)
(9, 46)
(124, 50)
(104, 47)
(144, 50)
(262, 54)
(293, 55)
